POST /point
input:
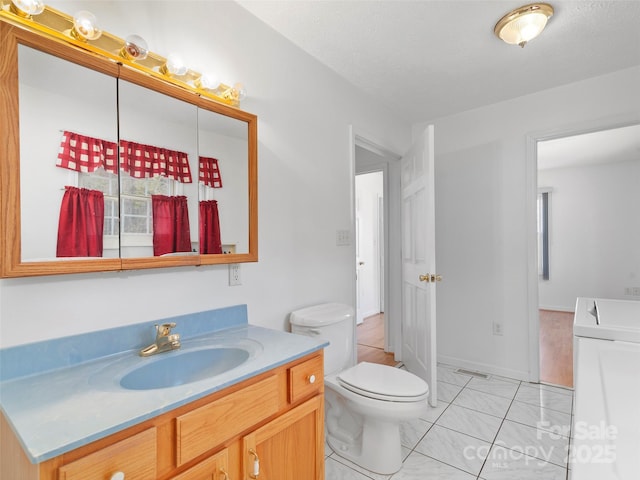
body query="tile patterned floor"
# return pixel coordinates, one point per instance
(482, 429)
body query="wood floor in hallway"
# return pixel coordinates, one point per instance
(556, 348)
(556, 345)
(370, 334)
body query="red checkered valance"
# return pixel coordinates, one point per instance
(146, 161)
(86, 154)
(210, 172)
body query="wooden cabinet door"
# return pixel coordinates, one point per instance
(291, 447)
(213, 468)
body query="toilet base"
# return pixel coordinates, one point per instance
(378, 449)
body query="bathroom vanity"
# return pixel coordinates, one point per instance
(261, 419)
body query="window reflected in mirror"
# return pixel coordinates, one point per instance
(223, 186)
(158, 168)
(69, 202)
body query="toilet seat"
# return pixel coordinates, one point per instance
(383, 382)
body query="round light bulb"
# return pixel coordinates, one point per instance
(241, 92)
(208, 81)
(85, 26)
(27, 8)
(175, 65)
(135, 48)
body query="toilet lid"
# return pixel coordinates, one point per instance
(383, 382)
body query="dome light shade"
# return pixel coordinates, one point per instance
(27, 8)
(85, 26)
(523, 24)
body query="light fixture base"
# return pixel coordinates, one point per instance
(523, 24)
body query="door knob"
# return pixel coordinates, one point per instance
(430, 278)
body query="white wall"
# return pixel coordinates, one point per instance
(483, 176)
(305, 185)
(594, 233)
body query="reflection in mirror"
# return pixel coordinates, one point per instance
(158, 173)
(57, 96)
(223, 149)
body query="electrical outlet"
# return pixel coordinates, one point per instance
(497, 328)
(234, 274)
(343, 238)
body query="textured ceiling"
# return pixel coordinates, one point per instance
(430, 58)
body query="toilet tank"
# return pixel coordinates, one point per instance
(331, 322)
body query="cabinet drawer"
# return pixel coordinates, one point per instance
(135, 457)
(306, 379)
(213, 468)
(209, 426)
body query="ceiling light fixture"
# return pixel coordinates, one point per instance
(523, 24)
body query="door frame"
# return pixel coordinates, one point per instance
(532, 140)
(390, 166)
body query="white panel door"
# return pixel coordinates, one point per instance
(419, 276)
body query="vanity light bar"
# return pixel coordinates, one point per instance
(58, 25)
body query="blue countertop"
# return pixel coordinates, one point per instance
(57, 410)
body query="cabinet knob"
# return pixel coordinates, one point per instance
(223, 472)
(117, 476)
(312, 378)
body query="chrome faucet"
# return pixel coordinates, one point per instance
(165, 340)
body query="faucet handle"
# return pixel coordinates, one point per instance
(164, 329)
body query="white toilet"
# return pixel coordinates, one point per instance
(365, 403)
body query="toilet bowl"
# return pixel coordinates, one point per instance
(364, 403)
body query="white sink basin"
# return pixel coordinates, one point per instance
(184, 367)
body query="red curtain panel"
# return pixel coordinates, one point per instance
(209, 172)
(209, 227)
(146, 161)
(81, 223)
(170, 224)
(86, 154)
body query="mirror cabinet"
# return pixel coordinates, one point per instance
(104, 167)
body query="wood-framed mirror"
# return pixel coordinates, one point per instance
(54, 95)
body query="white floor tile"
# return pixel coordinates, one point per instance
(334, 470)
(494, 387)
(432, 413)
(540, 417)
(448, 375)
(447, 391)
(537, 395)
(470, 422)
(536, 443)
(505, 464)
(420, 467)
(454, 448)
(483, 402)
(412, 432)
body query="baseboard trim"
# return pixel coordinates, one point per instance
(484, 368)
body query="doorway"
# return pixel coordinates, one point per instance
(588, 233)
(385, 308)
(370, 252)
